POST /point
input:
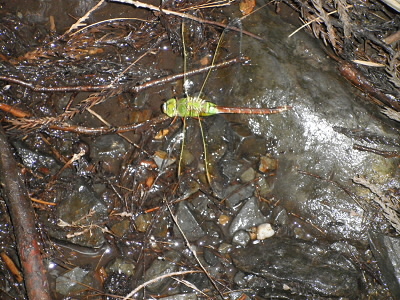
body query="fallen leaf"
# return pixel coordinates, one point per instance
(247, 6)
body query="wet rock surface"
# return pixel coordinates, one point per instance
(316, 160)
(295, 266)
(278, 215)
(385, 250)
(80, 212)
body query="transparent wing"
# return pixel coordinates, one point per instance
(202, 48)
(219, 84)
(194, 49)
(189, 156)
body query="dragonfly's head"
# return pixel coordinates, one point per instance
(169, 108)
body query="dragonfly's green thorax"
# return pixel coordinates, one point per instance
(189, 107)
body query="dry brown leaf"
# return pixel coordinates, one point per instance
(247, 6)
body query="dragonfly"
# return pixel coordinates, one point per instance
(197, 107)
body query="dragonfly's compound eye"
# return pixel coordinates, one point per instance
(169, 108)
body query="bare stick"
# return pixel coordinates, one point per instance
(318, 19)
(134, 89)
(23, 219)
(109, 21)
(80, 23)
(187, 16)
(138, 288)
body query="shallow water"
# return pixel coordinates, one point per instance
(295, 71)
(117, 228)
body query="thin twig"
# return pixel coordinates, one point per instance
(134, 89)
(108, 130)
(106, 91)
(314, 20)
(194, 252)
(80, 23)
(109, 21)
(386, 154)
(138, 288)
(186, 16)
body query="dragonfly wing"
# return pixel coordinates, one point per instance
(221, 82)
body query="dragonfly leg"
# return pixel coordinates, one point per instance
(182, 147)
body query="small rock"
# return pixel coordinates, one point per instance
(264, 231)
(186, 296)
(225, 248)
(121, 265)
(253, 233)
(210, 257)
(118, 284)
(162, 159)
(267, 164)
(265, 186)
(69, 282)
(248, 216)
(121, 228)
(241, 238)
(36, 160)
(248, 175)
(143, 221)
(161, 267)
(188, 223)
(234, 193)
(79, 210)
(223, 220)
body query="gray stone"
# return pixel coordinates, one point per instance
(386, 250)
(188, 223)
(299, 266)
(248, 216)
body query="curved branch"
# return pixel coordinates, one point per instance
(23, 219)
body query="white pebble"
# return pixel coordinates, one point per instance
(264, 231)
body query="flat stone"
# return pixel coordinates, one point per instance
(299, 266)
